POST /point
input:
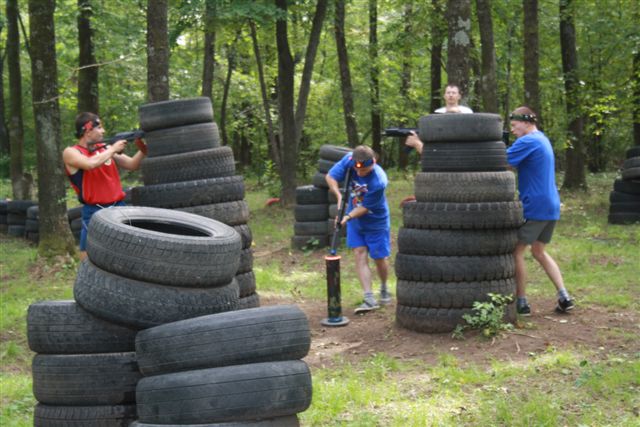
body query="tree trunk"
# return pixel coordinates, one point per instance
(55, 235)
(635, 78)
(157, 51)
(507, 95)
(345, 75)
(405, 82)
(231, 65)
(458, 60)
(209, 49)
(438, 32)
(4, 133)
(488, 77)
(288, 147)
(374, 90)
(88, 73)
(531, 58)
(20, 182)
(575, 173)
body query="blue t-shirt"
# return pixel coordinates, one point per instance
(532, 155)
(367, 191)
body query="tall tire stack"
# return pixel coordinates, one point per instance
(240, 368)
(4, 226)
(186, 169)
(625, 197)
(316, 208)
(31, 230)
(17, 216)
(457, 239)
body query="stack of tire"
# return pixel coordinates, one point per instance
(316, 207)
(625, 197)
(32, 223)
(236, 368)
(186, 169)
(4, 226)
(16, 214)
(457, 239)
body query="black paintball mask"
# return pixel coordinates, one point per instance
(531, 118)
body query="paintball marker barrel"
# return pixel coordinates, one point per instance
(399, 132)
(129, 136)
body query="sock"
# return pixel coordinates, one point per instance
(521, 302)
(383, 287)
(368, 295)
(563, 294)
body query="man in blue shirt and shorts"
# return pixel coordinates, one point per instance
(367, 219)
(532, 155)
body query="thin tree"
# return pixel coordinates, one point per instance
(4, 133)
(231, 52)
(157, 51)
(636, 97)
(345, 75)
(209, 48)
(374, 83)
(438, 32)
(55, 235)
(88, 99)
(459, 43)
(20, 182)
(575, 173)
(488, 76)
(406, 78)
(531, 49)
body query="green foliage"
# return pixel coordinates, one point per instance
(488, 317)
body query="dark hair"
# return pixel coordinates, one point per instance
(83, 120)
(524, 114)
(362, 153)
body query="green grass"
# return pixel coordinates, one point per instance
(551, 388)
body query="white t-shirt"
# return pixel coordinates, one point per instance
(463, 109)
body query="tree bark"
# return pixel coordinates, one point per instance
(438, 32)
(55, 235)
(88, 99)
(374, 89)
(20, 182)
(231, 65)
(157, 51)
(405, 81)
(345, 75)
(488, 77)
(531, 58)
(4, 133)
(458, 60)
(575, 173)
(209, 49)
(635, 78)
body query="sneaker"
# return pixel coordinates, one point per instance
(369, 304)
(386, 297)
(564, 305)
(524, 310)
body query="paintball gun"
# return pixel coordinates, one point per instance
(129, 136)
(400, 133)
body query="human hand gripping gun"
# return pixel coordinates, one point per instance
(129, 136)
(400, 133)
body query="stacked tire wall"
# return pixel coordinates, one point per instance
(186, 169)
(625, 197)
(457, 239)
(20, 218)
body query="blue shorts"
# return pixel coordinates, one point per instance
(87, 213)
(377, 242)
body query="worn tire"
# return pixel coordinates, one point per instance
(85, 379)
(246, 283)
(333, 153)
(163, 247)
(420, 268)
(83, 416)
(288, 421)
(33, 212)
(63, 327)
(246, 261)
(182, 139)
(464, 157)
(230, 213)
(310, 228)
(467, 187)
(306, 213)
(430, 320)
(311, 195)
(325, 165)
(20, 206)
(463, 215)
(201, 164)
(631, 173)
(74, 213)
(266, 334)
(165, 114)
(246, 236)
(190, 193)
(624, 217)
(231, 393)
(630, 187)
(250, 301)
(633, 152)
(618, 197)
(460, 127)
(144, 305)
(414, 241)
(450, 294)
(16, 230)
(631, 207)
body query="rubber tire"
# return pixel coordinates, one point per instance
(325, 165)
(467, 187)
(305, 242)
(165, 114)
(450, 294)
(16, 230)
(246, 236)
(463, 215)
(83, 416)
(63, 327)
(144, 305)
(163, 247)
(190, 193)
(415, 241)
(16, 218)
(624, 218)
(33, 212)
(20, 206)
(430, 320)
(631, 173)
(31, 225)
(306, 213)
(267, 334)
(201, 164)
(311, 195)
(333, 153)
(629, 207)
(246, 283)
(85, 379)
(246, 261)
(460, 127)
(310, 228)
(630, 187)
(250, 301)
(231, 393)
(288, 421)
(74, 213)
(633, 152)
(464, 157)
(618, 197)
(230, 213)
(420, 268)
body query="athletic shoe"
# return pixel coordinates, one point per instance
(564, 305)
(524, 310)
(386, 297)
(369, 304)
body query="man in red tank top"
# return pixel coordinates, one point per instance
(92, 168)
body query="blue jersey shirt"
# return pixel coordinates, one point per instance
(367, 191)
(533, 156)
